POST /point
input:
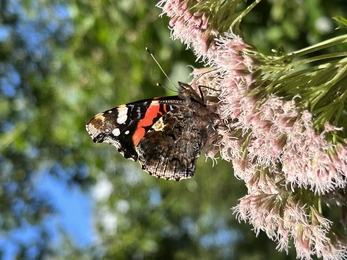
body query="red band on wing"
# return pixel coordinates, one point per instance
(152, 112)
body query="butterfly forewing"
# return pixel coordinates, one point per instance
(125, 125)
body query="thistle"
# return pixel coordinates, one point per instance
(284, 126)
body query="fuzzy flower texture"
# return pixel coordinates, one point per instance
(283, 128)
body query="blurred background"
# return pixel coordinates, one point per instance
(61, 195)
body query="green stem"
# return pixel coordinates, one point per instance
(341, 73)
(317, 58)
(319, 46)
(244, 13)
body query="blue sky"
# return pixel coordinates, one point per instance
(74, 216)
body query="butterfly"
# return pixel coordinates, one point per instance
(166, 134)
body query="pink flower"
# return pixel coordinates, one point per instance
(190, 27)
(268, 132)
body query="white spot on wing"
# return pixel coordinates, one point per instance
(122, 115)
(127, 132)
(116, 132)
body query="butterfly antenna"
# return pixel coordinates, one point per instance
(162, 70)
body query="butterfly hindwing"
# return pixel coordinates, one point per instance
(171, 147)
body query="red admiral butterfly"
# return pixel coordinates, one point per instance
(165, 134)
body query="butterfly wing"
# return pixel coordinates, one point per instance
(172, 145)
(125, 125)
